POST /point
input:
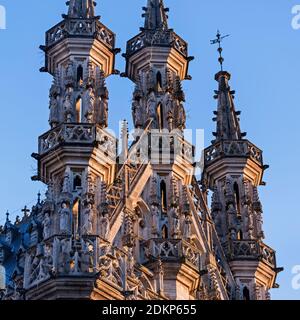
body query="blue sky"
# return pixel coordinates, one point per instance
(262, 54)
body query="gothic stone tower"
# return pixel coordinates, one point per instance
(233, 171)
(135, 225)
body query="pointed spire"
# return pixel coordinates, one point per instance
(155, 15)
(228, 127)
(7, 217)
(84, 9)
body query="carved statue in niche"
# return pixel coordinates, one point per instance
(105, 225)
(181, 119)
(187, 227)
(259, 224)
(69, 79)
(86, 257)
(151, 105)
(103, 111)
(64, 218)
(88, 215)
(232, 218)
(167, 102)
(65, 256)
(53, 118)
(246, 222)
(150, 80)
(155, 219)
(46, 226)
(175, 219)
(170, 119)
(137, 113)
(89, 102)
(66, 182)
(68, 105)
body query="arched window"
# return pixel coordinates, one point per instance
(77, 182)
(240, 235)
(246, 294)
(79, 75)
(163, 196)
(158, 81)
(237, 198)
(78, 109)
(76, 216)
(160, 116)
(164, 232)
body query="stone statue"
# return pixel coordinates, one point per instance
(68, 107)
(103, 111)
(232, 217)
(181, 120)
(64, 217)
(175, 218)
(105, 225)
(155, 219)
(53, 118)
(167, 102)
(65, 257)
(87, 227)
(187, 227)
(151, 105)
(137, 114)
(86, 257)
(89, 102)
(46, 226)
(246, 223)
(259, 225)
(66, 183)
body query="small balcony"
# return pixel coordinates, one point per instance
(251, 249)
(77, 134)
(172, 250)
(238, 148)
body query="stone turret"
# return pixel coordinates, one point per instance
(233, 170)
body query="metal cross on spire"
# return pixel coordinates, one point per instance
(218, 41)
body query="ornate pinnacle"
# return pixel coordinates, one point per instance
(81, 9)
(155, 15)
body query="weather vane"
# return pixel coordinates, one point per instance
(218, 41)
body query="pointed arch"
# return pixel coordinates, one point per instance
(237, 198)
(246, 294)
(164, 232)
(158, 81)
(79, 75)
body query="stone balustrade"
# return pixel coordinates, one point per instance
(251, 249)
(72, 133)
(79, 27)
(172, 250)
(238, 148)
(157, 38)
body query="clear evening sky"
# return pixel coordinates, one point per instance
(262, 54)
